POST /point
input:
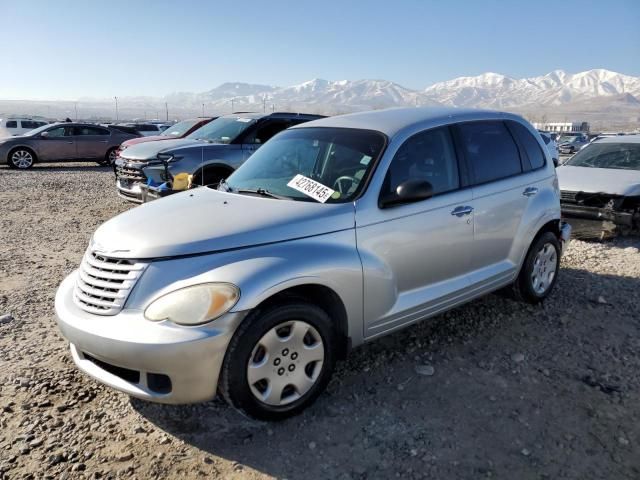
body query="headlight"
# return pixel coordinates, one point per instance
(194, 305)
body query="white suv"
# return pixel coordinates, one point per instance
(10, 127)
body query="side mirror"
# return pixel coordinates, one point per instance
(44, 135)
(408, 191)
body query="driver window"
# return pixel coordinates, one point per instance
(429, 156)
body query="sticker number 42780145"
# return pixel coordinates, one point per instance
(311, 188)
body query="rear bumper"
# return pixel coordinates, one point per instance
(565, 235)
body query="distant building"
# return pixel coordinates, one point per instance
(562, 126)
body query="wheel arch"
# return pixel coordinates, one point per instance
(23, 147)
(323, 297)
(212, 166)
(552, 226)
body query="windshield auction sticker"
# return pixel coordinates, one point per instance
(311, 188)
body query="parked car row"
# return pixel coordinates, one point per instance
(63, 142)
(209, 154)
(325, 234)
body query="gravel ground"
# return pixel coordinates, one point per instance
(495, 389)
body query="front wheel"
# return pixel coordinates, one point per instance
(21, 158)
(540, 270)
(279, 360)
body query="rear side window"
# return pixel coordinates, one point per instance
(12, 124)
(490, 150)
(530, 144)
(90, 131)
(265, 131)
(429, 156)
(30, 124)
(147, 128)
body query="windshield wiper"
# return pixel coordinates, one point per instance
(223, 183)
(261, 191)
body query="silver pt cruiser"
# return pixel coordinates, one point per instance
(333, 234)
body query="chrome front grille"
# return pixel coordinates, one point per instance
(568, 196)
(103, 283)
(133, 174)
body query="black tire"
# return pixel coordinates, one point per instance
(107, 161)
(234, 383)
(27, 151)
(524, 287)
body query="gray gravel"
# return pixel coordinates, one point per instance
(495, 389)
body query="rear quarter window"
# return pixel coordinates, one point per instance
(12, 124)
(490, 150)
(529, 143)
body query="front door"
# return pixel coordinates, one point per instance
(59, 144)
(415, 256)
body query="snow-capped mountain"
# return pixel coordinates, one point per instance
(492, 90)
(595, 95)
(329, 96)
(489, 90)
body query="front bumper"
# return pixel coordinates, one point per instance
(598, 214)
(156, 361)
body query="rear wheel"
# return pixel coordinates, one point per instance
(279, 360)
(540, 270)
(21, 158)
(109, 158)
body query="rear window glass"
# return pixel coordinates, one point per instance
(490, 150)
(530, 144)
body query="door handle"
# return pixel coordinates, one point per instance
(530, 191)
(103, 141)
(460, 211)
(70, 143)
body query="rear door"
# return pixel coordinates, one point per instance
(91, 142)
(58, 145)
(499, 199)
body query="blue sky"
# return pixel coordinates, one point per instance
(67, 49)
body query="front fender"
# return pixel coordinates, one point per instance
(260, 272)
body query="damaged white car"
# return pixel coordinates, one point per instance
(600, 187)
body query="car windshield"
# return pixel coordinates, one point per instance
(338, 158)
(36, 131)
(568, 138)
(179, 129)
(223, 129)
(623, 156)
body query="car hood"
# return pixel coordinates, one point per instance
(203, 220)
(150, 150)
(153, 138)
(599, 180)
